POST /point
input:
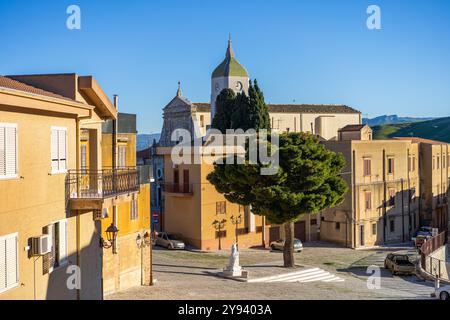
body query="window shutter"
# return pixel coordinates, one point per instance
(2, 153)
(11, 151)
(11, 261)
(54, 143)
(2, 263)
(62, 141)
(62, 242)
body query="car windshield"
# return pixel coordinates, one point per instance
(173, 237)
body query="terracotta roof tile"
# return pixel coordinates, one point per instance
(9, 83)
(296, 108)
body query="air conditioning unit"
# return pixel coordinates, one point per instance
(41, 245)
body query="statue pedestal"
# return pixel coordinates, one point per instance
(232, 272)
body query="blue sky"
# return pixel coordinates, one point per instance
(317, 51)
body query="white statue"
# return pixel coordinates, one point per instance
(233, 269)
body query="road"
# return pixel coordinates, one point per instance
(192, 275)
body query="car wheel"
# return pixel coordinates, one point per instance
(444, 296)
(272, 247)
(170, 247)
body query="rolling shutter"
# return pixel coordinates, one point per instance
(9, 274)
(2, 153)
(2, 264)
(62, 150)
(55, 155)
(8, 150)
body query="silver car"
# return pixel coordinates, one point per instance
(279, 245)
(169, 241)
(442, 293)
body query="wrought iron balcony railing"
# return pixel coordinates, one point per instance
(177, 188)
(101, 184)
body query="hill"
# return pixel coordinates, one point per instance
(143, 141)
(392, 119)
(437, 129)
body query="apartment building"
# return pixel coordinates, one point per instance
(435, 182)
(48, 231)
(198, 213)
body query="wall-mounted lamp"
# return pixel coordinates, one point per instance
(111, 235)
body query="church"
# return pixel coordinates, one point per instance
(170, 204)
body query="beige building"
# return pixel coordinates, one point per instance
(198, 213)
(43, 239)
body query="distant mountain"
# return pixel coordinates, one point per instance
(146, 140)
(437, 129)
(392, 119)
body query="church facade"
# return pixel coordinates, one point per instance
(325, 121)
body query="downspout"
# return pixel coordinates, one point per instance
(353, 220)
(384, 196)
(114, 164)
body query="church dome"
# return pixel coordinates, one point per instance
(230, 67)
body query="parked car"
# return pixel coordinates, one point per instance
(169, 241)
(399, 264)
(442, 293)
(423, 231)
(420, 240)
(279, 245)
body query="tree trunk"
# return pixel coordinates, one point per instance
(288, 252)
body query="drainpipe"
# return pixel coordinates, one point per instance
(114, 165)
(384, 197)
(354, 214)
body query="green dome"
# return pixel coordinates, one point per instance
(230, 67)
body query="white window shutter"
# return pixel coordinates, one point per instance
(11, 261)
(2, 264)
(2, 152)
(55, 155)
(63, 237)
(11, 151)
(62, 142)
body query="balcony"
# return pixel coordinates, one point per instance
(88, 189)
(178, 190)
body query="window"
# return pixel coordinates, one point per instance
(313, 222)
(221, 207)
(338, 226)
(434, 163)
(134, 209)
(58, 254)
(202, 121)
(409, 164)
(368, 200)
(288, 130)
(391, 201)
(83, 155)
(8, 150)
(9, 259)
(367, 167)
(414, 164)
(438, 162)
(392, 225)
(59, 150)
(122, 156)
(391, 166)
(374, 229)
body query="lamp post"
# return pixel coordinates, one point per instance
(236, 221)
(219, 225)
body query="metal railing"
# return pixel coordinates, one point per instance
(431, 246)
(100, 184)
(177, 188)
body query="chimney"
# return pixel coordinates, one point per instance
(116, 102)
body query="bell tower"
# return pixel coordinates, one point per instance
(230, 74)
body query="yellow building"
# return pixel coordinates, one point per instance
(128, 264)
(47, 233)
(198, 213)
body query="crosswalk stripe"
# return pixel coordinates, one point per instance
(304, 276)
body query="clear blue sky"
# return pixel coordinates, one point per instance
(311, 51)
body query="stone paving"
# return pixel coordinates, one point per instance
(192, 275)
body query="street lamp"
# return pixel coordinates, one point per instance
(219, 225)
(111, 235)
(236, 221)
